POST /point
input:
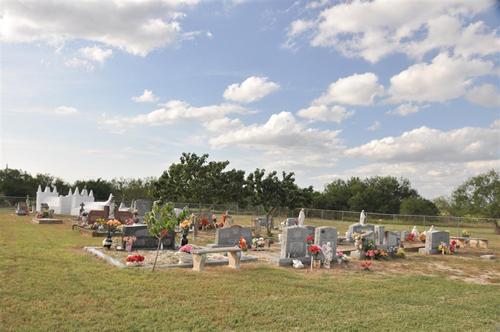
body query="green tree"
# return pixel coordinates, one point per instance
(161, 220)
(478, 196)
(101, 188)
(444, 205)
(418, 206)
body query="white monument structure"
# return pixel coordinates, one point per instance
(69, 204)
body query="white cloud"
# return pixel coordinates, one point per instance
(357, 89)
(299, 26)
(137, 27)
(282, 134)
(172, 112)
(375, 126)
(374, 29)
(95, 54)
(252, 89)
(65, 110)
(146, 97)
(486, 95)
(76, 62)
(443, 79)
(405, 109)
(432, 145)
(219, 125)
(325, 113)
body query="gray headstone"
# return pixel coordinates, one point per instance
(404, 234)
(358, 228)
(324, 235)
(142, 206)
(293, 242)
(433, 240)
(146, 240)
(228, 237)
(392, 239)
(379, 235)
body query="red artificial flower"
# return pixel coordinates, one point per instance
(314, 249)
(310, 239)
(164, 233)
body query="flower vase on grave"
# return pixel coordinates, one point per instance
(108, 241)
(316, 263)
(184, 240)
(128, 246)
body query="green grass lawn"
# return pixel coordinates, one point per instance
(50, 284)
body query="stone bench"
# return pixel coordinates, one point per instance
(200, 256)
(478, 243)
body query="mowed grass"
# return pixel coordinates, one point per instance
(49, 284)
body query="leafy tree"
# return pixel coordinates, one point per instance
(101, 188)
(161, 220)
(418, 206)
(444, 205)
(478, 196)
(129, 189)
(271, 192)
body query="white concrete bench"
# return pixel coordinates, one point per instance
(478, 243)
(200, 256)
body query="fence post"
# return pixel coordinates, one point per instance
(322, 214)
(424, 221)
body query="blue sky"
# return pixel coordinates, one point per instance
(326, 89)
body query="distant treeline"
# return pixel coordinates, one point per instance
(195, 179)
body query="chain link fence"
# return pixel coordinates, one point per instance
(317, 214)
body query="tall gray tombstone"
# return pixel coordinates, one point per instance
(433, 240)
(392, 239)
(379, 235)
(142, 206)
(229, 237)
(293, 242)
(324, 235)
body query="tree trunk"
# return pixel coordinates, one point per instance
(157, 252)
(268, 224)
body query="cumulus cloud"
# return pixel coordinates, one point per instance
(137, 27)
(405, 109)
(374, 29)
(95, 53)
(357, 89)
(443, 79)
(432, 145)
(281, 133)
(486, 95)
(146, 97)
(65, 110)
(219, 125)
(325, 113)
(172, 112)
(252, 89)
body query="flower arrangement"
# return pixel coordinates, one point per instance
(315, 250)
(341, 257)
(465, 233)
(100, 221)
(410, 237)
(453, 247)
(185, 224)
(258, 243)
(400, 253)
(129, 241)
(309, 240)
(421, 237)
(443, 247)
(135, 260)
(366, 265)
(376, 254)
(113, 224)
(187, 248)
(129, 221)
(243, 244)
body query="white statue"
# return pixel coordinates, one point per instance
(362, 217)
(415, 232)
(327, 253)
(297, 264)
(302, 217)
